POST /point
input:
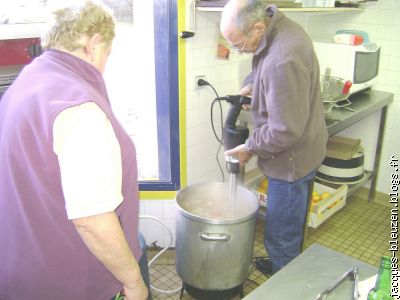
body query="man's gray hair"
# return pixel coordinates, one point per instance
(249, 13)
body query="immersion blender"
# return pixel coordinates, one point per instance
(234, 136)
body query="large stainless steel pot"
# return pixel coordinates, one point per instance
(214, 237)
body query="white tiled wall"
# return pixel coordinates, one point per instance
(226, 77)
(157, 222)
(380, 19)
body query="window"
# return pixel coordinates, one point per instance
(141, 77)
(142, 80)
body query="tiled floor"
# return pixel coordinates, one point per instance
(360, 229)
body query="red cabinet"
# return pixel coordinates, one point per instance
(19, 51)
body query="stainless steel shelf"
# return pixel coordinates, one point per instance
(297, 9)
(362, 105)
(217, 5)
(354, 187)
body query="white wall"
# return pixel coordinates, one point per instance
(380, 19)
(155, 233)
(226, 77)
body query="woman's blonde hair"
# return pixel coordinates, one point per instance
(68, 24)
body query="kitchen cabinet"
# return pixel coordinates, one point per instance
(362, 105)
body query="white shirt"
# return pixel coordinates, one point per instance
(90, 161)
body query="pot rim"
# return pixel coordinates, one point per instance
(184, 212)
(214, 221)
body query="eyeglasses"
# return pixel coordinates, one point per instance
(239, 48)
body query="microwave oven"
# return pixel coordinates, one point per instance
(359, 64)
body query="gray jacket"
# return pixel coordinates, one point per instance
(290, 134)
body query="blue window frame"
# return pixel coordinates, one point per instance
(167, 97)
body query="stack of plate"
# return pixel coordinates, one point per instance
(342, 171)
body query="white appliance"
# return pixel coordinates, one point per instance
(359, 64)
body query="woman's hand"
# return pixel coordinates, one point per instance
(137, 292)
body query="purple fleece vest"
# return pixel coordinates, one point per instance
(41, 254)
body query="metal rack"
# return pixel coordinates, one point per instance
(363, 105)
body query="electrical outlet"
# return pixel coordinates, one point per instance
(196, 79)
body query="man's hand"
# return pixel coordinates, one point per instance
(246, 91)
(241, 153)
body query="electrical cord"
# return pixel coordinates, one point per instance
(219, 163)
(202, 82)
(170, 292)
(212, 119)
(221, 143)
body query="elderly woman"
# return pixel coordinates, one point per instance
(68, 175)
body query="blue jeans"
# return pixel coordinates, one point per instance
(144, 267)
(287, 204)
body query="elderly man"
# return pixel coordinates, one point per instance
(290, 134)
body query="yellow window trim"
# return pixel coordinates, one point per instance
(148, 195)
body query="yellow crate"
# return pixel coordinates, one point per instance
(255, 186)
(322, 210)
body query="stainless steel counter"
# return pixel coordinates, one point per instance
(309, 274)
(362, 105)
